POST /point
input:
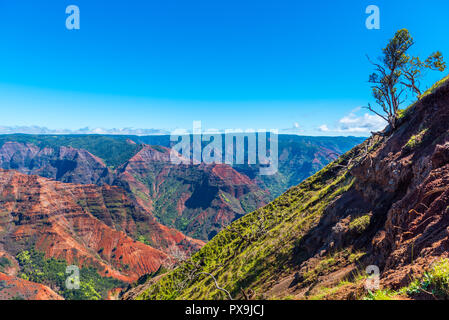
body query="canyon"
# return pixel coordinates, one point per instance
(123, 215)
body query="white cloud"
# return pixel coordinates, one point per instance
(295, 129)
(366, 123)
(44, 130)
(355, 123)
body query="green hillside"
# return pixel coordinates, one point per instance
(257, 249)
(383, 204)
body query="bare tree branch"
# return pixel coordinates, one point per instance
(216, 284)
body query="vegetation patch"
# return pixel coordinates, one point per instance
(381, 295)
(143, 239)
(52, 273)
(434, 283)
(360, 224)
(327, 293)
(4, 263)
(415, 140)
(437, 85)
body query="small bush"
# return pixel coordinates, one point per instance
(435, 281)
(415, 140)
(402, 113)
(381, 295)
(360, 224)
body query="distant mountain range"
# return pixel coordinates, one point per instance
(44, 130)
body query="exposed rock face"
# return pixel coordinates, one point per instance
(64, 164)
(84, 224)
(196, 199)
(440, 156)
(411, 180)
(404, 185)
(16, 288)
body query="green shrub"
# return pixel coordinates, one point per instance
(143, 239)
(415, 140)
(435, 281)
(360, 224)
(437, 85)
(381, 295)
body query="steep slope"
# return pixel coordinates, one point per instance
(64, 164)
(299, 158)
(12, 288)
(195, 199)
(255, 249)
(86, 225)
(385, 204)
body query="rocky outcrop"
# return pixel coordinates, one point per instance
(409, 175)
(12, 288)
(402, 185)
(86, 225)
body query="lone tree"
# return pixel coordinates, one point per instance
(398, 72)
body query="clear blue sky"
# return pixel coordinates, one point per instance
(229, 63)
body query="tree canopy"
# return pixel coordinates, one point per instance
(397, 73)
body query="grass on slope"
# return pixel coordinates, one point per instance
(257, 248)
(403, 112)
(434, 283)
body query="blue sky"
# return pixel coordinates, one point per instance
(291, 65)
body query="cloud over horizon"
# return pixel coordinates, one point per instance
(86, 130)
(356, 123)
